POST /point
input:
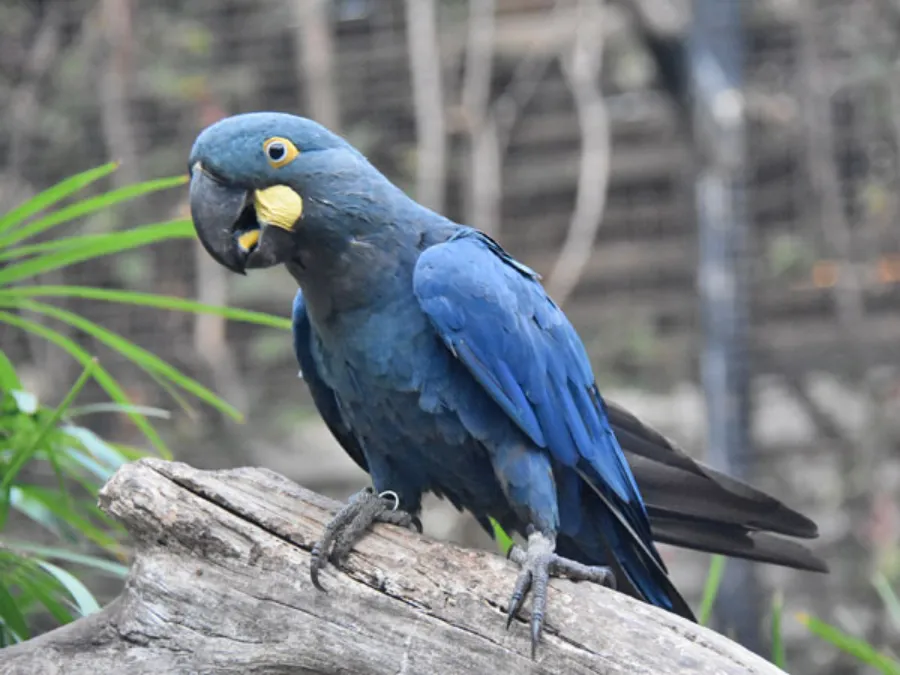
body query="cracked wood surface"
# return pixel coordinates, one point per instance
(220, 584)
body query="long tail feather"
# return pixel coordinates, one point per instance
(694, 506)
(734, 541)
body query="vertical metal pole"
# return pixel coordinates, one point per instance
(716, 56)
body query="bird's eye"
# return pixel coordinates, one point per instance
(276, 151)
(280, 151)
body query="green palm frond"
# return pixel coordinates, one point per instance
(27, 260)
(32, 577)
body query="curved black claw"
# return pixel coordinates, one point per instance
(349, 524)
(539, 563)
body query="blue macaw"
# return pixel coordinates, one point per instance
(441, 365)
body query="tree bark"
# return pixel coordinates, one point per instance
(220, 584)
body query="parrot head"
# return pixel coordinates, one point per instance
(264, 184)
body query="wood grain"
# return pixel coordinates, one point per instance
(220, 584)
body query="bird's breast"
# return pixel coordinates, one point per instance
(416, 409)
(395, 381)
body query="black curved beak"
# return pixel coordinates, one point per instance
(219, 211)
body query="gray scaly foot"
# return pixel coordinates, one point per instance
(350, 523)
(539, 563)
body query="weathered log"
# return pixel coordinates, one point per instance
(220, 584)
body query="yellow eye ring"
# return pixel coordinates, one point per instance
(280, 151)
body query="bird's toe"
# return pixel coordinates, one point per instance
(576, 571)
(538, 563)
(350, 523)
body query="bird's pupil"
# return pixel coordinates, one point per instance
(276, 151)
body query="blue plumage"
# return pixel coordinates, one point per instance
(494, 315)
(436, 359)
(539, 451)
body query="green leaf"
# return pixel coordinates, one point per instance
(859, 649)
(76, 518)
(54, 194)
(889, 598)
(101, 376)
(33, 509)
(174, 394)
(778, 653)
(137, 355)
(5, 506)
(11, 616)
(54, 553)
(83, 598)
(21, 458)
(56, 460)
(128, 451)
(88, 206)
(44, 588)
(9, 379)
(73, 462)
(107, 243)
(149, 300)
(711, 588)
(96, 446)
(97, 248)
(504, 541)
(77, 458)
(26, 402)
(96, 408)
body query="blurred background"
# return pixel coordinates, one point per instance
(709, 187)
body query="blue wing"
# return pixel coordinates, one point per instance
(322, 395)
(495, 317)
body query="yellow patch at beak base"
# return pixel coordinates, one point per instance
(278, 206)
(248, 240)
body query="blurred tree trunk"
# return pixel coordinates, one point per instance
(20, 114)
(315, 61)
(20, 109)
(428, 99)
(490, 130)
(582, 69)
(482, 190)
(717, 60)
(117, 73)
